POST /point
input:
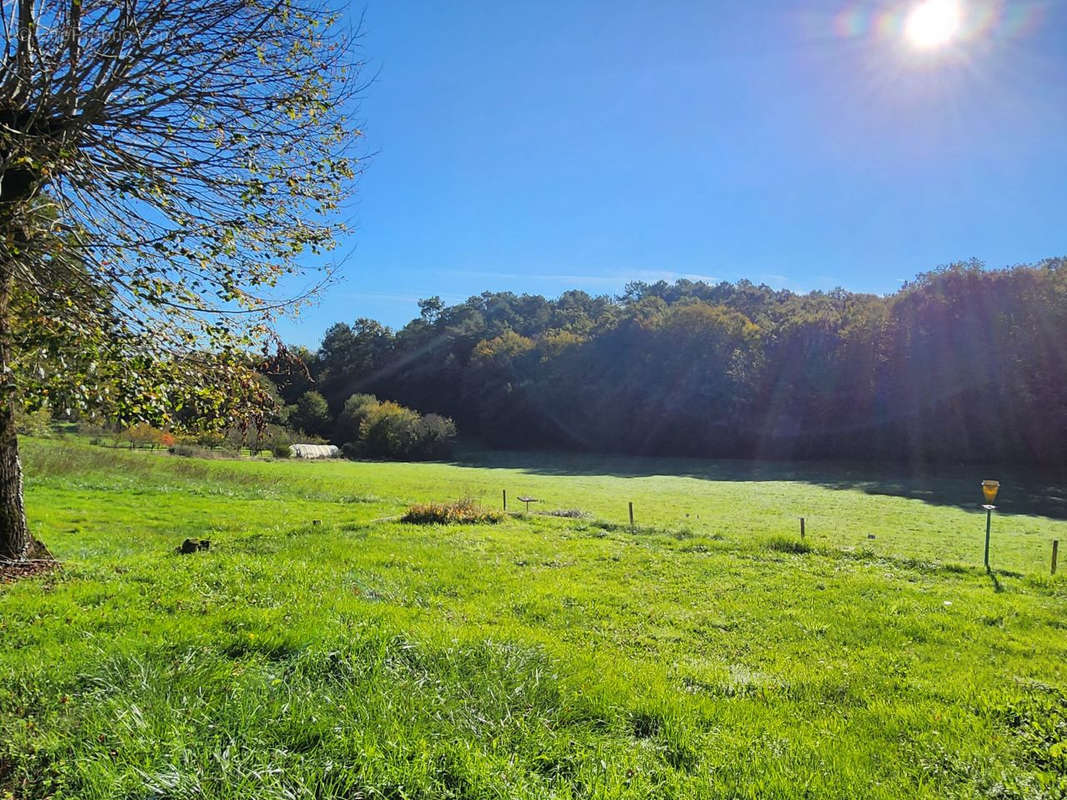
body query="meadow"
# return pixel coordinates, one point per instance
(322, 648)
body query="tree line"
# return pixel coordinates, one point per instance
(962, 364)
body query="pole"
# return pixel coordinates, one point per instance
(631, 516)
(505, 491)
(988, 522)
(1055, 554)
(801, 527)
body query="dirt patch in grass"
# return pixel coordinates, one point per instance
(38, 561)
(11, 571)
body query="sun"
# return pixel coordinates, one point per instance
(933, 23)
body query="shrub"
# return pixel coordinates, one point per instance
(33, 423)
(462, 512)
(211, 438)
(389, 431)
(144, 435)
(435, 437)
(274, 438)
(237, 438)
(357, 408)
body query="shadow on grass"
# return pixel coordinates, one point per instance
(997, 586)
(1023, 490)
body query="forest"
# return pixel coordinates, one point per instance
(962, 364)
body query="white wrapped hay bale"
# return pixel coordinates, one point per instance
(314, 451)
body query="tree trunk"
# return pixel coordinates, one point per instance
(14, 533)
(15, 539)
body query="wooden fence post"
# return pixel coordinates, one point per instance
(1055, 554)
(801, 527)
(631, 515)
(505, 493)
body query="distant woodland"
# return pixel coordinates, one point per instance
(961, 364)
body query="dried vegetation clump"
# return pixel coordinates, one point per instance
(463, 512)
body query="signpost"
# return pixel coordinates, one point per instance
(528, 500)
(989, 491)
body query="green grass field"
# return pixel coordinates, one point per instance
(708, 654)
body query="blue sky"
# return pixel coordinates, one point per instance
(543, 146)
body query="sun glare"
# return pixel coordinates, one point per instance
(933, 23)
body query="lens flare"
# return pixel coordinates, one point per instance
(933, 23)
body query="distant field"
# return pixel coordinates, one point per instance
(710, 653)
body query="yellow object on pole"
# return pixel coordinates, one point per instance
(989, 490)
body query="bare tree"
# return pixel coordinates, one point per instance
(163, 165)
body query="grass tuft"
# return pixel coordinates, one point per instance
(783, 544)
(462, 512)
